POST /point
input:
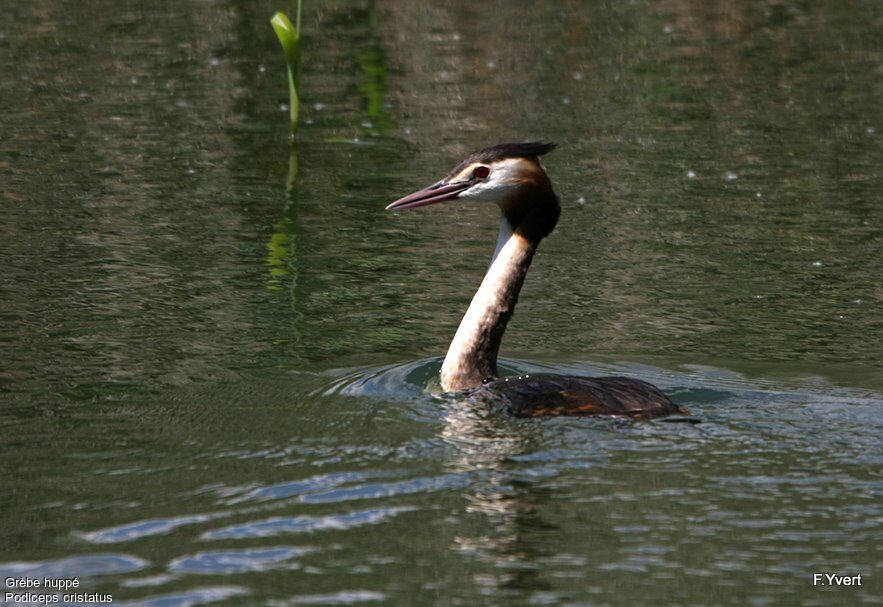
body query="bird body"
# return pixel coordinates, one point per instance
(511, 176)
(550, 395)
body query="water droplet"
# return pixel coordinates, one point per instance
(578, 76)
(566, 101)
(691, 174)
(191, 171)
(455, 37)
(871, 130)
(840, 317)
(309, 121)
(407, 130)
(731, 176)
(116, 118)
(858, 301)
(319, 106)
(491, 65)
(214, 62)
(367, 124)
(758, 195)
(133, 81)
(262, 68)
(759, 297)
(283, 107)
(817, 264)
(581, 201)
(669, 28)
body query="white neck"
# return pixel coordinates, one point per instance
(502, 238)
(472, 356)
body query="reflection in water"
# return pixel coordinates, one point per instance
(510, 508)
(373, 86)
(83, 566)
(190, 598)
(167, 417)
(281, 252)
(291, 239)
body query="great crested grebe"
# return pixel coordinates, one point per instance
(510, 175)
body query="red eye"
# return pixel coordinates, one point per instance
(481, 172)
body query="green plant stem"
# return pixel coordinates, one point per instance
(289, 38)
(297, 19)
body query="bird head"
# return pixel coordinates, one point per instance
(508, 174)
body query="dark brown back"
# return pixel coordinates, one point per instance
(541, 395)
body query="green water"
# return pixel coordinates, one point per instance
(219, 361)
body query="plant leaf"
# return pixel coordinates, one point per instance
(289, 38)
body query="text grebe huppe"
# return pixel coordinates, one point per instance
(510, 175)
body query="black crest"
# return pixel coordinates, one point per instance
(528, 149)
(500, 151)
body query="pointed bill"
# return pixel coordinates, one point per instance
(437, 192)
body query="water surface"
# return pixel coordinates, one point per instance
(219, 357)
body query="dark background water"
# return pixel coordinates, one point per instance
(218, 379)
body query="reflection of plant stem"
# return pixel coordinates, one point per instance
(281, 246)
(277, 253)
(372, 87)
(292, 236)
(289, 37)
(292, 175)
(282, 250)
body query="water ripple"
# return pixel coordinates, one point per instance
(292, 488)
(376, 490)
(344, 597)
(239, 561)
(304, 524)
(198, 596)
(76, 566)
(134, 531)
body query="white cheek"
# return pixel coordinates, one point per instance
(498, 187)
(487, 191)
